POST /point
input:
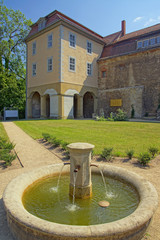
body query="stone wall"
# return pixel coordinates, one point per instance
(134, 78)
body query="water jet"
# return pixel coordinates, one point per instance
(26, 226)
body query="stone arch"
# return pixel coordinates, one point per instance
(36, 105)
(50, 92)
(71, 103)
(50, 103)
(88, 104)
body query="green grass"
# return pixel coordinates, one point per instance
(3, 133)
(121, 136)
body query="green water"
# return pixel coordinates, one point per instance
(41, 200)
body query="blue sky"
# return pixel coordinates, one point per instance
(102, 16)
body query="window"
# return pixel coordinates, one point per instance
(152, 41)
(50, 64)
(89, 69)
(34, 68)
(33, 48)
(139, 45)
(89, 47)
(103, 74)
(41, 25)
(158, 39)
(72, 64)
(146, 43)
(50, 39)
(72, 40)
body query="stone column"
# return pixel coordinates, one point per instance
(54, 106)
(80, 159)
(29, 108)
(43, 107)
(80, 107)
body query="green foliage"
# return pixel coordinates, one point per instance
(121, 115)
(111, 117)
(107, 153)
(14, 28)
(46, 136)
(153, 150)
(64, 145)
(130, 153)
(100, 118)
(144, 158)
(5, 151)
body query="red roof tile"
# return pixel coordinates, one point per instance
(56, 16)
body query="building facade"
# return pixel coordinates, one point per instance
(62, 68)
(72, 72)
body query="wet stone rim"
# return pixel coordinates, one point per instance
(25, 226)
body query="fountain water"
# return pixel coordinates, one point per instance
(25, 226)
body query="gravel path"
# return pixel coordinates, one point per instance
(33, 154)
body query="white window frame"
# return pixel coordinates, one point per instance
(49, 64)
(34, 69)
(72, 43)
(139, 43)
(89, 68)
(152, 39)
(89, 48)
(145, 41)
(41, 25)
(50, 41)
(158, 37)
(72, 64)
(34, 48)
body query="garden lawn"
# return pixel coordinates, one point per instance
(3, 133)
(122, 136)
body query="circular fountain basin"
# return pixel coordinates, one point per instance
(25, 226)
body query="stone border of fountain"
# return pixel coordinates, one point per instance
(25, 226)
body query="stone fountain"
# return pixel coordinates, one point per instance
(25, 226)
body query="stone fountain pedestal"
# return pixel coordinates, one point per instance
(80, 170)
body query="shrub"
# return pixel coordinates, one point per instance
(130, 153)
(153, 150)
(56, 142)
(144, 158)
(121, 115)
(46, 136)
(64, 145)
(107, 153)
(5, 151)
(111, 117)
(101, 118)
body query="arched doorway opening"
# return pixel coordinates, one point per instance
(36, 106)
(75, 106)
(47, 106)
(88, 105)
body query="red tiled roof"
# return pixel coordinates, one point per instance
(112, 37)
(140, 32)
(57, 16)
(127, 43)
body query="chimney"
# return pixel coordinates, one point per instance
(123, 28)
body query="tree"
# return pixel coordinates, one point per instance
(14, 28)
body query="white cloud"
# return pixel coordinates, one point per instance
(137, 19)
(150, 22)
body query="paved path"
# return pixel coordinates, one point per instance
(32, 155)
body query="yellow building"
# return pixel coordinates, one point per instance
(62, 68)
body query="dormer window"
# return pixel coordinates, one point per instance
(146, 43)
(139, 44)
(152, 41)
(41, 24)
